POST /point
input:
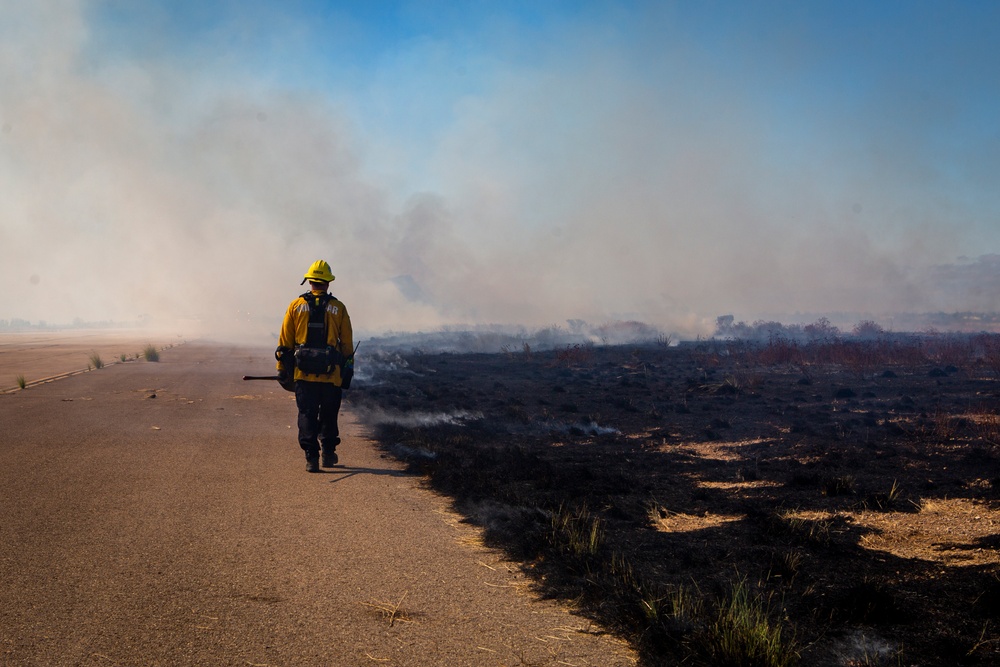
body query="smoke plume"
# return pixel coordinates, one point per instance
(620, 172)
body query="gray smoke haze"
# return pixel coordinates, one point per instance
(579, 185)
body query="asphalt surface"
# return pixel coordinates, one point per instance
(160, 514)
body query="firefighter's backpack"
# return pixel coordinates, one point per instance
(316, 356)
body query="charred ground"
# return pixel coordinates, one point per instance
(729, 503)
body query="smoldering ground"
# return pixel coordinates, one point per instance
(602, 171)
(840, 492)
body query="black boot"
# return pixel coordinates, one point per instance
(329, 458)
(330, 453)
(312, 463)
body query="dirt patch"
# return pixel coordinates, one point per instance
(42, 356)
(949, 531)
(851, 493)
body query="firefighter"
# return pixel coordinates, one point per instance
(315, 353)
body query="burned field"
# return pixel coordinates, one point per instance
(728, 503)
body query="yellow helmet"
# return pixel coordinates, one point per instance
(319, 271)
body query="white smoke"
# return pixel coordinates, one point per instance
(610, 176)
(418, 419)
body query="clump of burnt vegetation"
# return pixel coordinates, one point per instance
(724, 502)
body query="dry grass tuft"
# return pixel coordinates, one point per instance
(389, 611)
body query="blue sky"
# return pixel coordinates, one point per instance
(663, 161)
(400, 68)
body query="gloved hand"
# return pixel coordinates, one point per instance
(286, 379)
(347, 374)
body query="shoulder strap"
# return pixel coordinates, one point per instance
(310, 297)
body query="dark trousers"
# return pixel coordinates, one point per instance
(319, 405)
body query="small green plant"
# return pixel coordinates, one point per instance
(151, 353)
(122, 357)
(743, 635)
(686, 609)
(96, 361)
(21, 382)
(580, 533)
(651, 608)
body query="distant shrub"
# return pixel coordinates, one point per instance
(151, 353)
(21, 381)
(821, 329)
(868, 329)
(96, 361)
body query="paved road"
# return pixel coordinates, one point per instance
(184, 530)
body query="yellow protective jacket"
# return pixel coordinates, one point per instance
(338, 333)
